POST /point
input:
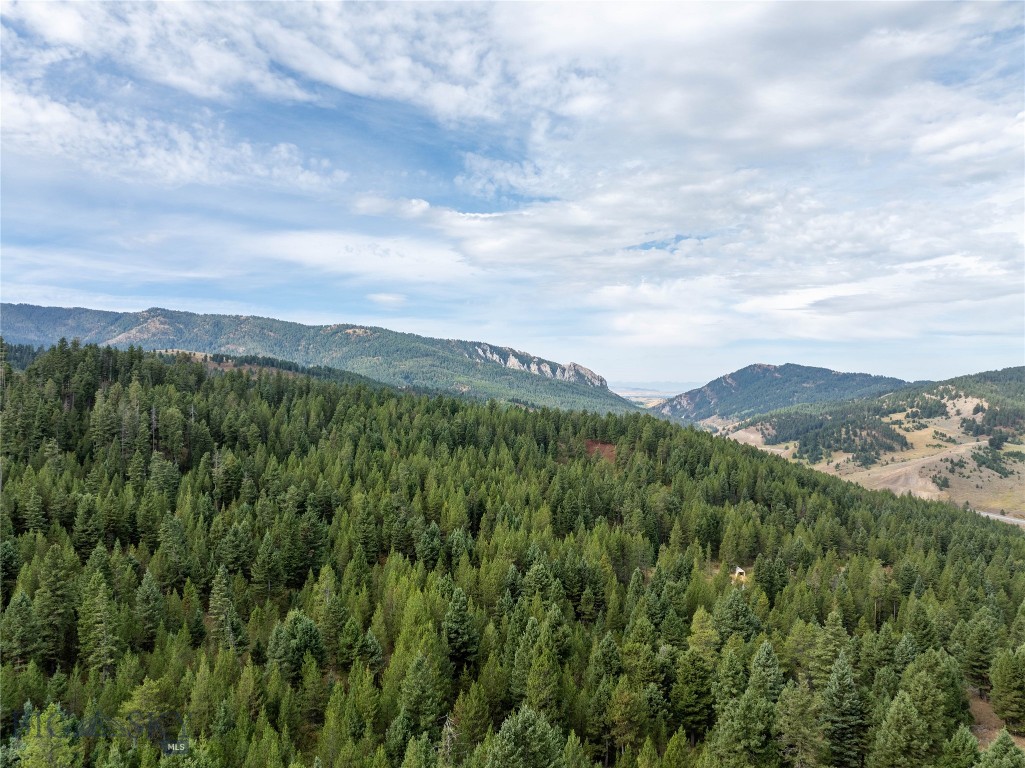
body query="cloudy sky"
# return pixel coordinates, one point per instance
(660, 192)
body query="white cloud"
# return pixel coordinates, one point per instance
(678, 175)
(387, 300)
(142, 150)
(396, 259)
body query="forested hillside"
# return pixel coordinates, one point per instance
(861, 426)
(466, 368)
(265, 570)
(763, 388)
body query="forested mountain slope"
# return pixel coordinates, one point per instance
(962, 439)
(281, 571)
(470, 368)
(763, 388)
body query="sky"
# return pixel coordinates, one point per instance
(661, 192)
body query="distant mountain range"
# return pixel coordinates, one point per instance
(762, 388)
(469, 368)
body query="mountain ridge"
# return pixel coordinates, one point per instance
(472, 368)
(763, 387)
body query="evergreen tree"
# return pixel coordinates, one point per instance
(543, 684)
(20, 633)
(679, 753)
(472, 715)
(525, 740)
(1002, 753)
(798, 726)
(226, 629)
(98, 627)
(422, 696)
(902, 740)
(420, 754)
(149, 609)
(692, 694)
(730, 680)
(961, 750)
(844, 716)
(1008, 696)
(460, 633)
(53, 604)
(48, 741)
(831, 642)
(766, 679)
(732, 615)
(703, 638)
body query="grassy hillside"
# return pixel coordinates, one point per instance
(960, 439)
(763, 388)
(473, 369)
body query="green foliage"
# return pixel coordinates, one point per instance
(764, 388)
(855, 423)
(48, 741)
(403, 360)
(844, 715)
(1008, 695)
(798, 726)
(1002, 753)
(902, 740)
(311, 570)
(525, 740)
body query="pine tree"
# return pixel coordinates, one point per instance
(830, 643)
(902, 740)
(472, 715)
(730, 680)
(349, 643)
(844, 716)
(1008, 696)
(226, 629)
(628, 715)
(798, 727)
(460, 633)
(766, 678)
(422, 696)
(525, 740)
(692, 694)
(732, 615)
(31, 509)
(742, 736)
(54, 604)
(267, 571)
(936, 686)
(97, 627)
(49, 741)
(976, 655)
(149, 609)
(703, 638)
(961, 750)
(543, 684)
(648, 756)
(1002, 753)
(20, 632)
(420, 754)
(679, 753)
(574, 755)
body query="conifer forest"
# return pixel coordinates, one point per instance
(264, 569)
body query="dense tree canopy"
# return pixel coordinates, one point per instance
(284, 571)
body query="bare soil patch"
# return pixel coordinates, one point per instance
(987, 725)
(607, 450)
